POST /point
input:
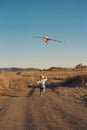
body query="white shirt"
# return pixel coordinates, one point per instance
(42, 81)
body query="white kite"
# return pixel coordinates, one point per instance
(46, 39)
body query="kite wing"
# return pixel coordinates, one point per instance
(54, 40)
(36, 37)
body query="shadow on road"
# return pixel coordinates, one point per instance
(32, 89)
(50, 85)
(84, 99)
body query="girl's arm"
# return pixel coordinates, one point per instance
(38, 82)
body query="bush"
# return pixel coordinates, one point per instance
(80, 80)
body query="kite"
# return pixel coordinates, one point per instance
(46, 39)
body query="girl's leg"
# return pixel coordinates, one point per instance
(44, 89)
(41, 91)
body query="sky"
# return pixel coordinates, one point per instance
(21, 20)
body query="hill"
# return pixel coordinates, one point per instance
(18, 69)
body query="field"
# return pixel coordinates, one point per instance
(63, 106)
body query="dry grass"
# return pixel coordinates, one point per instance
(14, 80)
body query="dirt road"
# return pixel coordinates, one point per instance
(29, 111)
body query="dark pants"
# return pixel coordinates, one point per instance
(41, 90)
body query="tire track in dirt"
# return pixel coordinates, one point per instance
(29, 111)
(45, 116)
(13, 116)
(74, 115)
(51, 113)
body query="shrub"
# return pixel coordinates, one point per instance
(79, 80)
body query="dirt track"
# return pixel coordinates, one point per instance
(54, 111)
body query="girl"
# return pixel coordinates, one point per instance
(42, 84)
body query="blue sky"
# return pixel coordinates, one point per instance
(20, 20)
